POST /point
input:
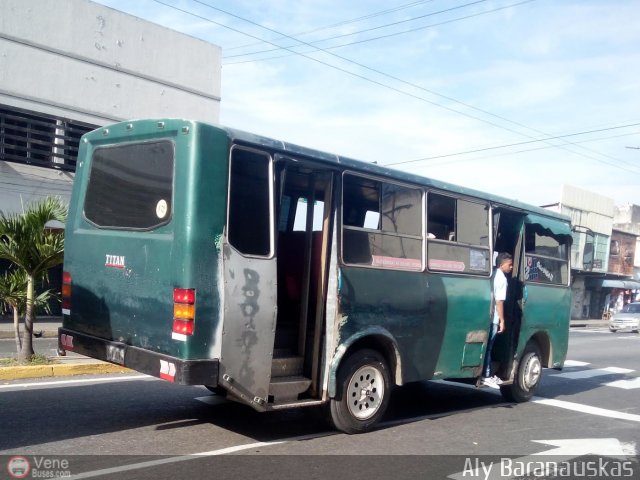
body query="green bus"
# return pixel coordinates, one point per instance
(285, 277)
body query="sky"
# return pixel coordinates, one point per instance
(513, 97)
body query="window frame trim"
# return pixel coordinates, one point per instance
(565, 261)
(383, 232)
(468, 246)
(169, 219)
(270, 160)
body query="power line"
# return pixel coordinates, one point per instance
(368, 29)
(342, 23)
(485, 149)
(370, 80)
(348, 72)
(431, 91)
(544, 147)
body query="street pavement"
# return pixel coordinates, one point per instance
(75, 364)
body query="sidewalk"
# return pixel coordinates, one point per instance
(71, 364)
(47, 325)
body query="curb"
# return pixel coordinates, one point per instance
(56, 370)
(585, 324)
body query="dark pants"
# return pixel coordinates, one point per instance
(487, 356)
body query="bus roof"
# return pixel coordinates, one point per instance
(283, 147)
(374, 169)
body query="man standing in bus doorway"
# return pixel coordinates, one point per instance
(504, 264)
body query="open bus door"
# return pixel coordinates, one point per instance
(275, 290)
(508, 231)
(304, 230)
(249, 279)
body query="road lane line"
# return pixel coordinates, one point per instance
(194, 456)
(578, 407)
(67, 382)
(590, 373)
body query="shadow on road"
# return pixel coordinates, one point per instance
(41, 416)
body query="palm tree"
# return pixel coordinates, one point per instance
(13, 288)
(13, 298)
(33, 249)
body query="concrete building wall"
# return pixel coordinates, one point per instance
(622, 253)
(77, 60)
(99, 65)
(592, 212)
(592, 217)
(629, 214)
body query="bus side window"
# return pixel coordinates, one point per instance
(546, 256)
(249, 221)
(441, 215)
(381, 224)
(457, 235)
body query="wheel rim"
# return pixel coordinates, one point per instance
(532, 371)
(365, 392)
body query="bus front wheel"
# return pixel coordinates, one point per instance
(527, 377)
(363, 392)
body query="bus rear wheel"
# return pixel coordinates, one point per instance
(363, 392)
(527, 377)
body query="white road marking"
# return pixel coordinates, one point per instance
(625, 384)
(578, 407)
(62, 383)
(595, 372)
(194, 456)
(575, 363)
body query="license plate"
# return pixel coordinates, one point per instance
(115, 354)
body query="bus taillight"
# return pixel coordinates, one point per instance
(184, 310)
(66, 293)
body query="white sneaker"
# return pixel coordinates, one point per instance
(491, 382)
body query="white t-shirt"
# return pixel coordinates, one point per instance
(499, 292)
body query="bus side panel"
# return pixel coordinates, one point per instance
(429, 316)
(464, 303)
(397, 302)
(547, 309)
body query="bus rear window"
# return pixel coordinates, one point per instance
(131, 186)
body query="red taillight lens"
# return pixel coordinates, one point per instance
(184, 327)
(66, 293)
(184, 310)
(184, 295)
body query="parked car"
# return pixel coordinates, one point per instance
(627, 319)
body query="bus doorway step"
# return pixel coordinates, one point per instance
(287, 389)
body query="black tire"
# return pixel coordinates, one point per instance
(612, 330)
(363, 389)
(527, 377)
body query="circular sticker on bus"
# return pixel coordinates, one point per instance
(161, 208)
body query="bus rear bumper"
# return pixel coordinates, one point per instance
(172, 369)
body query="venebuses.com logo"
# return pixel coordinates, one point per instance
(18, 467)
(38, 467)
